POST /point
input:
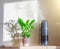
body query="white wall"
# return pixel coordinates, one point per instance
(35, 36)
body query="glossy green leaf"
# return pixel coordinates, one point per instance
(32, 22)
(26, 27)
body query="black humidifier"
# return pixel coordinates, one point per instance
(44, 33)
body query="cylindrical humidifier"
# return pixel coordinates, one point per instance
(44, 33)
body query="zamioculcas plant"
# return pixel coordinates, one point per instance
(26, 27)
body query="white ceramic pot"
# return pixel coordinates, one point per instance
(26, 41)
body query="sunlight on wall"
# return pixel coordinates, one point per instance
(57, 3)
(25, 10)
(56, 6)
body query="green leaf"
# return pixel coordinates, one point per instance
(27, 22)
(32, 27)
(21, 22)
(32, 22)
(27, 34)
(26, 27)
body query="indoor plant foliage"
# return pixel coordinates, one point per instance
(26, 28)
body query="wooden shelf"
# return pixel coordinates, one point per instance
(30, 47)
(8, 45)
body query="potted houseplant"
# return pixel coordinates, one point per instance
(26, 28)
(13, 28)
